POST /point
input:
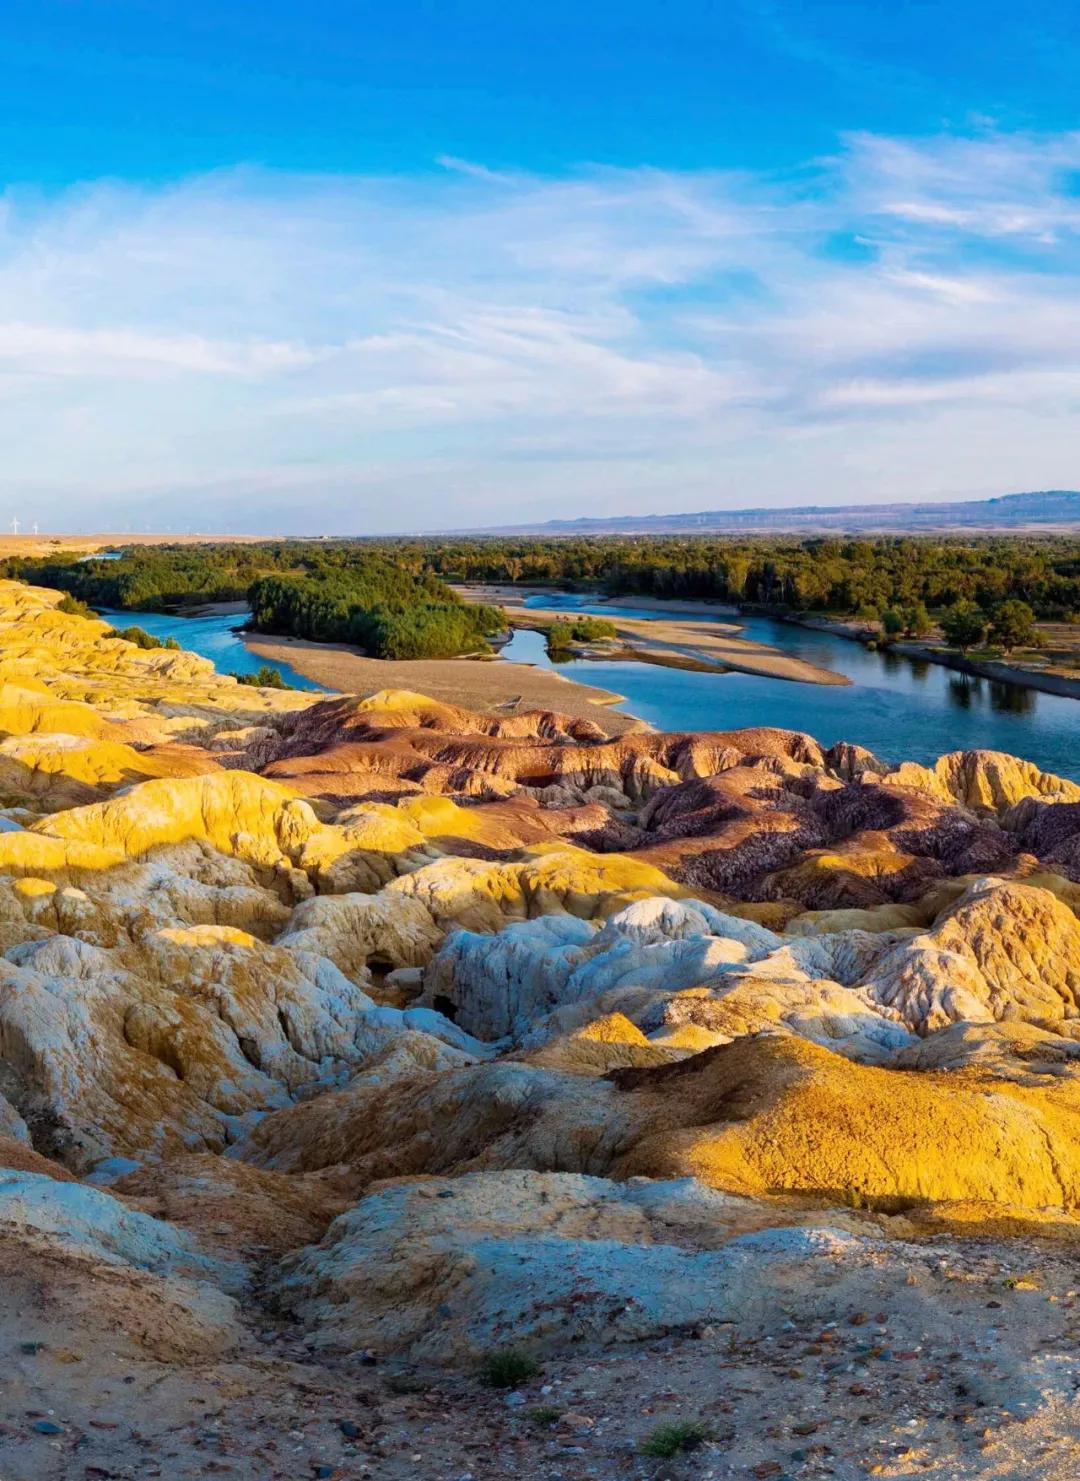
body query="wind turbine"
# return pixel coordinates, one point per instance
(35, 527)
(14, 524)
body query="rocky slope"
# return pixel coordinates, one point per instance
(349, 1048)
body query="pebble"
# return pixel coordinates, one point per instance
(46, 1427)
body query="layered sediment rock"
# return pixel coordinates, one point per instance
(644, 1029)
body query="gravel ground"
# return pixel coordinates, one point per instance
(864, 1395)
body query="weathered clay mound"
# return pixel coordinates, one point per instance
(649, 1034)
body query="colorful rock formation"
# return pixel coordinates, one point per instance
(643, 1030)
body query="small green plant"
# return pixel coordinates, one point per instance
(265, 677)
(74, 608)
(544, 1415)
(142, 639)
(508, 1368)
(578, 630)
(669, 1440)
(585, 629)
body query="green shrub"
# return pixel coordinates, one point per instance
(587, 629)
(74, 607)
(142, 639)
(578, 630)
(917, 623)
(263, 678)
(507, 1368)
(669, 1440)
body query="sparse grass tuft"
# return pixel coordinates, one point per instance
(508, 1367)
(669, 1440)
(544, 1415)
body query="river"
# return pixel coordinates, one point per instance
(900, 708)
(903, 709)
(214, 637)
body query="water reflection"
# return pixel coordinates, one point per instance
(964, 690)
(902, 708)
(1010, 699)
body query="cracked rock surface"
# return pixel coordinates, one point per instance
(359, 1052)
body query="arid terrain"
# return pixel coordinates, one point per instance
(389, 1089)
(478, 683)
(44, 543)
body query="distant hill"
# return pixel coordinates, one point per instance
(1048, 509)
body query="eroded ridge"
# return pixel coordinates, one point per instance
(348, 1044)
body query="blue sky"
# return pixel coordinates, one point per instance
(351, 267)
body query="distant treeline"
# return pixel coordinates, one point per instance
(822, 574)
(350, 592)
(391, 596)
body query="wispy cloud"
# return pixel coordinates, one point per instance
(256, 351)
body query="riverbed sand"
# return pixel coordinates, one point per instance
(479, 684)
(683, 640)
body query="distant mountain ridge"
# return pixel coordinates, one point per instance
(1047, 509)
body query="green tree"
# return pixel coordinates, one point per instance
(964, 625)
(1013, 625)
(917, 620)
(892, 622)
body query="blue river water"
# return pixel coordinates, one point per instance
(900, 708)
(214, 637)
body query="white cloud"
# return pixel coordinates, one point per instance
(255, 351)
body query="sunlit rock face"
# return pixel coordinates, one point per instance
(677, 1020)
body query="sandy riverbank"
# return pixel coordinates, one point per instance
(683, 642)
(1049, 680)
(479, 684)
(674, 605)
(679, 642)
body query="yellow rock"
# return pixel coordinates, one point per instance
(986, 781)
(777, 1114)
